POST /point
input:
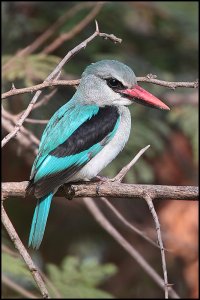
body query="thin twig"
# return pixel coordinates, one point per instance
(16, 287)
(125, 169)
(128, 247)
(30, 135)
(126, 223)
(40, 86)
(35, 121)
(45, 99)
(22, 138)
(170, 84)
(12, 134)
(160, 242)
(112, 189)
(22, 250)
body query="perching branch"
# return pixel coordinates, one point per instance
(112, 189)
(51, 83)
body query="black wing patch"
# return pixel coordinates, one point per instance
(88, 134)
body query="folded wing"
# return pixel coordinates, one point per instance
(69, 142)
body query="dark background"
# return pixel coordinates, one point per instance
(158, 38)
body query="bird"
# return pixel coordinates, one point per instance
(85, 134)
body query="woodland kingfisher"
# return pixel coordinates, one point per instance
(85, 134)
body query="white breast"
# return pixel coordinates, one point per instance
(110, 151)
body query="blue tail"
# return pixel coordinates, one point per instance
(39, 221)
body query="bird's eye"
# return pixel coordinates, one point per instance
(114, 83)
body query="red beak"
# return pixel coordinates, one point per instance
(143, 97)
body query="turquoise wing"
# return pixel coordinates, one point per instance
(61, 126)
(62, 154)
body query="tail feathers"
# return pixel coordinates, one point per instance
(39, 221)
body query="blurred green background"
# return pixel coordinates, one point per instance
(161, 38)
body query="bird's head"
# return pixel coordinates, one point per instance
(110, 82)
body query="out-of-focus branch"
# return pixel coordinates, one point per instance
(128, 247)
(36, 121)
(126, 223)
(43, 85)
(45, 35)
(176, 99)
(75, 30)
(45, 99)
(16, 287)
(15, 254)
(25, 138)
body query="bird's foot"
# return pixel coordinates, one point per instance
(101, 180)
(69, 191)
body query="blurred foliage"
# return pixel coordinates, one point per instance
(159, 38)
(78, 279)
(15, 268)
(31, 69)
(74, 279)
(186, 118)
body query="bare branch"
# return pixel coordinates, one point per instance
(35, 121)
(170, 84)
(125, 169)
(40, 86)
(22, 250)
(157, 225)
(110, 37)
(21, 120)
(126, 223)
(51, 83)
(25, 138)
(128, 247)
(112, 189)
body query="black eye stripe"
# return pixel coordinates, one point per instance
(114, 83)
